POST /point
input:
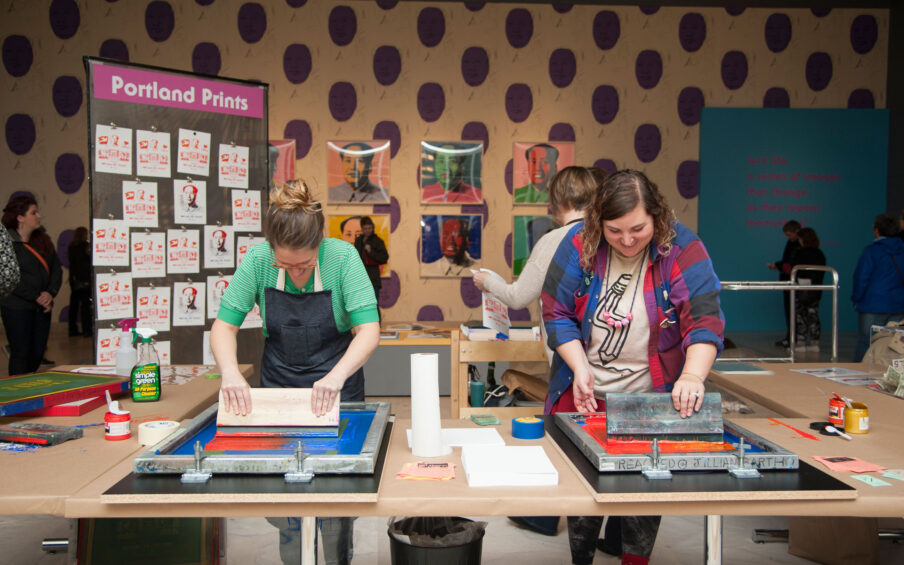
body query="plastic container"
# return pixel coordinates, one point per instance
(145, 376)
(402, 553)
(836, 412)
(117, 425)
(856, 419)
(478, 389)
(126, 356)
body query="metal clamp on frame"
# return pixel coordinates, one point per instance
(196, 475)
(741, 471)
(654, 471)
(299, 475)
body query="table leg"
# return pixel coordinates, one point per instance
(712, 547)
(308, 537)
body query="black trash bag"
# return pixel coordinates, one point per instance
(432, 531)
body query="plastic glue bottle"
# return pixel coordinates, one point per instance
(126, 355)
(145, 377)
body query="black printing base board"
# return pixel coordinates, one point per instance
(807, 482)
(228, 484)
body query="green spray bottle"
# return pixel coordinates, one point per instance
(145, 377)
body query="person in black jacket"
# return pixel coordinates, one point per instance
(806, 307)
(783, 267)
(373, 254)
(80, 284)
(26, 311)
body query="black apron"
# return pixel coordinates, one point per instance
(303, 343)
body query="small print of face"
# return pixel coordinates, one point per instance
(540, 166)
(367, 230)
(32, 218)
(188, 298)
(452, 238)
(189, 196)
(355, 170)
(448, 170)
(630, 234)
(219, 238)
(351, 230)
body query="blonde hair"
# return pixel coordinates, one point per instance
(294, 219)
(573, 187)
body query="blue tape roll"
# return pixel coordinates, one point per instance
(527, 427)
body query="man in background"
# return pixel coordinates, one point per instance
(373, 253)
(783, 266)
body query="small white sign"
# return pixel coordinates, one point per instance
(216, 287)
(110, 243)
(188, 307)
(153, 307)
(148, 255)
(107, 344)
(218, 247)
(243, 244)
(114, 296)
(139, 203)
(194, 152)
(152, 153)
(233, 166)
(189, 201)
(112, 150)
(246, 210)
(182, 251)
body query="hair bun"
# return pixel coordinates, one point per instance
(294, 195)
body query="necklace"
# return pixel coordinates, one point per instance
(625, 319)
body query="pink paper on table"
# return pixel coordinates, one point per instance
(421, 471)
(845, 464)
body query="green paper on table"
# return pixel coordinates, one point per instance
(485, 419)
(871, 481)
(896, 474)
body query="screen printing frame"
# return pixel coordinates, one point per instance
(159, 459)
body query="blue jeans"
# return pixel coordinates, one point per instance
(865, 321)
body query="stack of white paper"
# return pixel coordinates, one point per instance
(510, 465)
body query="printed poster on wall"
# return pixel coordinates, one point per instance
(189, 201)
(253, 319)
(182, 251)
(208, 352)
(107, 344)
(139, 204)
(188, 309)
(148, 255)
(216, 287)
(152, 153)
(233, 167)
(243, 243)
(112, 150)
(114, 296)
(163, 352)
(110, 243)
(246, 210)
(218, 247)
(153, 307)
(194, 152)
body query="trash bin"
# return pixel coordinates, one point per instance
(435, 541)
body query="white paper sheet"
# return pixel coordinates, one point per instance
(109, 243)
(216, 287)
(148, 255)
(219, 247)
(152, 153)
(107, 344)
(233, 166)
(194, 152)
(242, 244)
(182, 251)
(189, 201)
(114, 296)
(188, 304)
(510, 465)
(246, 210)
(113, 150)
(153, 307)
(140, 204)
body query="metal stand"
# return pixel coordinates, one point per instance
(299, 475)
(742, 471)
(653, 472)
(196, 475)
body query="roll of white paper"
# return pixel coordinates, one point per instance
(426, 435)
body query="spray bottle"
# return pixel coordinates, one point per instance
(145, 378)
(126, 355)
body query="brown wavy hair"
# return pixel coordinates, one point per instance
(38, 239)
(619, 194)
(294, 219)
(573, 187)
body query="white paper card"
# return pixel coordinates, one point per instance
(208, 352)
(152, 153)
(216, 287)
(233, 167)
(163, 352)
(189, 201)
(188, 309)
(153, 307)
(113, 150)
(110, 243)
(219, 247)
(508, 466)
(253, 319)
(495, 313)
(139, 204)
(114, 296)
(194, 152)
(182, 251)
(107, 344)
(246, 210)
(242, 244)
(148, 255)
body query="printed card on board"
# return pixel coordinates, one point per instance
(533, 164)
(189, 201)
(242, 244)
(110, 243)
(152, 153)
(246, 210)
(114, 296)
(450, 172)
(188, 309)
(107, 344)
(140, 204)
(194, 152)
(216, 287)
(358, 171)
(182, 251)
(233, 166)
(153, 307)
(113, 150)
(148, 255)
(218, 247)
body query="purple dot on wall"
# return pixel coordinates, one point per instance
(69, 172)
(342, 25)
(864, 33)
(518, 102)
(734, 69)
(820, 12)
(395, 213)
(300, 131)
(507, 249)
(296, 3)
(692, 31)
(509, 172)
(519, 27)
(690, 101)
(777, 32)
(604, 103)
(64, 18)
(431, 26)
(647, 142)
(27, 193)
(20, 133)
(387, 4)
(475, 65)
(476, 131)
(861, 98)
(159, 20)
(417, 180)
(387, 64)
(735, 11)
(114, 49)
(648, 68)
(389, 130)
(67, 95)
(203, 2)
(562, 67)
(562, 8)
(342, 100)
(430, 313)
(606, 29)
(819, 70)
(390, 291)
(519, 315)
(470, 294)
(252, 22)
(776, 97)
(205, 58)
(297, 63)
(17, 55)
(561, 132)
(475, 6)
(431, 101)
(477, 209)
(648, 9)
(688, 179)
(607, 165)
(62, 246)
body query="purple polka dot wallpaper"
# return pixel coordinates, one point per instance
(624, 85)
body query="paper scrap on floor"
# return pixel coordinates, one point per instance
(825, 372)
(896, 474)
(844, 464)
(424, 471)
(510, 465)
(460, 437)
(853, 381)
(871, 480)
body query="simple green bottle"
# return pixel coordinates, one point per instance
(145, 378)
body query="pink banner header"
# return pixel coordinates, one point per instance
(140, 86)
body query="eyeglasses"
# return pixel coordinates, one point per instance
(301, 267)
